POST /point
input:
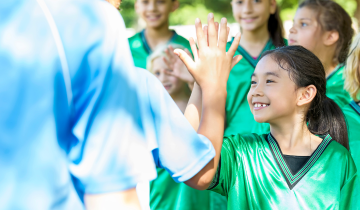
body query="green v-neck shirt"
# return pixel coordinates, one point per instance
(140, 49)
(335, 87)
(352, 116)
(253, 174)
(239, 118)
(165, 193)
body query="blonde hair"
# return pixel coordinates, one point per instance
(352, 73)
(159, 52)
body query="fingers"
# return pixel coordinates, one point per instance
(212, 31)
(200, 34)
(186, 59)
(194, 49)
(234, 45)
(223, 34)
(235, 60)
(228, 31)
(206, 35)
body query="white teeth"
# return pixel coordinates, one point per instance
(260, 105)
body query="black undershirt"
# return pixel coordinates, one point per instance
(295, 163)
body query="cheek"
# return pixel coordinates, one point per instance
(249, 99)
(306, 38)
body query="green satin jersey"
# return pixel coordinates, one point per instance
(165, 193)
(253, 174)
(335, 87)
(140, 49)
(239, 118)
(352, 115)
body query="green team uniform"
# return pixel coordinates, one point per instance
(253, 174)
(352, 115)
(239, 118)
(165, 193)
(140, 49)
(335, 87)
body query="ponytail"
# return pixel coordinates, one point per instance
(324, 115)
(327, 118)
(275, 28)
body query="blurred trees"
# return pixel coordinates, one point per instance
(191, 9)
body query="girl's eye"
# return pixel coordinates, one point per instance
(303, 24)
(157, 73)
(253, 82)
(269, 81)
(257, 1)
(239, 2)
(161, 2)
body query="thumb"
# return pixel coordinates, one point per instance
(186, 59)
(235, 60)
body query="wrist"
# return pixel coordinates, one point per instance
(215, 93)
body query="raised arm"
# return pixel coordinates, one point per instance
(210, 70)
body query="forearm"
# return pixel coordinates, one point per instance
(117, 200)
(194, 107)
(211, 126)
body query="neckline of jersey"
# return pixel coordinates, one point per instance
(293, 179)
(355, 106)
(248, 57)
(146, 45)
(337, 68)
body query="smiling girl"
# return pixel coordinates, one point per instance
(156, 14)
(324, 28)
(304, 162)
(261, 29)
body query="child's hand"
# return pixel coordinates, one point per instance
(212, 64)
(179, 69)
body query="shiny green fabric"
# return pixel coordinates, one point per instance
(140, 50)
(239, 118)
(335, 87)
(165, 193)
(251, 176)
(352, 116)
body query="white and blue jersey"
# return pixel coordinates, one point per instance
(174, 143)
(69, 106)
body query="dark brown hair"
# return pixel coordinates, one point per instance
(324, 115)
(332, 16)
(275, 28)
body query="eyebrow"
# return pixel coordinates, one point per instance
(268, 73)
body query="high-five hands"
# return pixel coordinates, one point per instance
(212, 64)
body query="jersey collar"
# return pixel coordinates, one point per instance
(337, 68)
(146, 45)
(293, 179)
(248, 57)
(355, 106)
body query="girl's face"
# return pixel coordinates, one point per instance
(306, 31)
(253, 14)
(272, 96)
(172, 84)
(155, 12)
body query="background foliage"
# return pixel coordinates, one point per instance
(191, 9)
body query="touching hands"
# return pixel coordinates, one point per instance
(179, 69)
(212, 64)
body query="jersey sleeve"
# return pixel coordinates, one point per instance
(109, 151)
(175, 145)
(229, 164)
(350, 191)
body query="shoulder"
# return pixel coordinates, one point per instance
(339, 151)
(181, 41)
(250, 141)
(135, 41)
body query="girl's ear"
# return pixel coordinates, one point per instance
(331, 37)
(306, 95)
(175, 5)
(273, 6)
